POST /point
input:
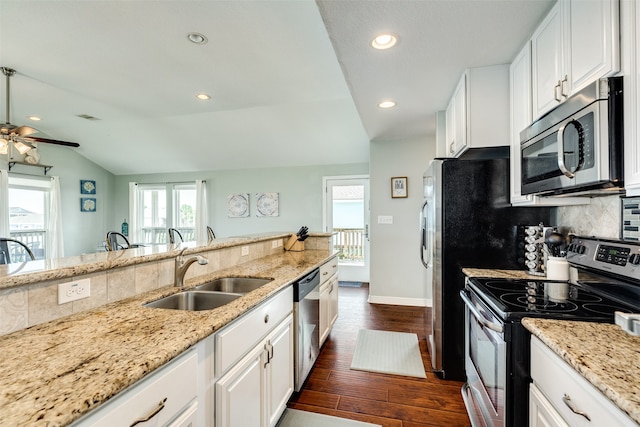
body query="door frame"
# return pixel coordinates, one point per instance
(367, 221)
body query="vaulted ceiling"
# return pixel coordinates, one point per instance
(292, 82)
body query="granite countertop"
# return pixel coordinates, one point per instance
(53, 373)
(602, 353)
(500, 274)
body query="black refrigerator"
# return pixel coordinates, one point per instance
(466, 221)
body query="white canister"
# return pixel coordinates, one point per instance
(557, 268)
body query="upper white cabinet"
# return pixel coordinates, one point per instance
(630, 28)
(576, 43)
(521, 117)
(477, 115)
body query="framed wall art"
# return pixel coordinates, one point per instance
(87, 186)
(399, 187)
(238, 205)
(87, 204)
(267, 204)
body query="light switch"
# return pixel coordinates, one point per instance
(385, 219)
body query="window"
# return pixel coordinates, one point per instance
(28, 212)
(163, 206)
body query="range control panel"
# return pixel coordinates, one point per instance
(614, 256)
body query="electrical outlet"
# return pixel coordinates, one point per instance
(75, 290)
(245, 250)
(279, 242)
(385, 219)
(274, 244)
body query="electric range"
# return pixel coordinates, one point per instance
(604, 278)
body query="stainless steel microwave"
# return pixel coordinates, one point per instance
(577, 147)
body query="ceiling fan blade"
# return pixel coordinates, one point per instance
(51, 141)
(24, 130)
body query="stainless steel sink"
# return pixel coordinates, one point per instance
(194, 300)
(238, 285)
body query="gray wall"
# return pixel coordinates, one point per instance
(299, 188)
(397, 276)
(82, 230)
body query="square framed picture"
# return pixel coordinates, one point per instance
(87, 204)
(87, 186)
(398, 187)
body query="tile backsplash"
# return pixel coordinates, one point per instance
(601, 218)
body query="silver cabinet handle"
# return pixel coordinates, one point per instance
(562, 86)
(567, 401)
(555, 91)
(153, 413)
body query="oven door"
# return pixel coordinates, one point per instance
(485, 362)
(566, 154)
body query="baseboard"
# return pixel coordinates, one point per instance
(414, 302)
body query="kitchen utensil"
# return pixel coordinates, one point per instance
(553, 241)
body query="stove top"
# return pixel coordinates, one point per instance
(512, 298)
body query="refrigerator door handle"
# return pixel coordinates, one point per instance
(424, 243)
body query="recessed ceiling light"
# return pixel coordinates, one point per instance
(384, 41)
(387, 104)
(197, 38)
(203, 96)
(34, 118)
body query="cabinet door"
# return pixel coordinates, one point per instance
(520, 93)
(239, 394)
(450, 129)
(279, 371)
(541, 412)
(547, 65)
(592, 38)
(323, 322)
(333, 301)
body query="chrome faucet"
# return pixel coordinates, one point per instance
(182, 265)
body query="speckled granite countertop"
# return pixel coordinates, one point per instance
(500, 274)
(53, 373)
(602, 353)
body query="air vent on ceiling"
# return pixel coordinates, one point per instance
(88, 117)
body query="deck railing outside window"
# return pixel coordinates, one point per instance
(34, 239)
(350, 243)
(160, 235)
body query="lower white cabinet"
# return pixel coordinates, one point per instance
(255, 391)
(560, 396)
(328, 298)
(167, 397)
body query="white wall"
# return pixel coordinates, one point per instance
(81, 230)
(299, 188)
(396, 270)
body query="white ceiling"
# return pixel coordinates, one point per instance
(293, 82)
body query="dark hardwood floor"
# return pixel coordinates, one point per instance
(389, 400)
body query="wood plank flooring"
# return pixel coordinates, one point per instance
(388, 400)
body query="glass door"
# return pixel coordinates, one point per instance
(347, 216)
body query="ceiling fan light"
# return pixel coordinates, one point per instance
(34, 118)
(22, 147)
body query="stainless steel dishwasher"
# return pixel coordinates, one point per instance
(306, 312)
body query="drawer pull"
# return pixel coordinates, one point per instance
(152, 414)
(266, 318)
(567, 401)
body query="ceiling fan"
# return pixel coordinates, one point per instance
(21, 136)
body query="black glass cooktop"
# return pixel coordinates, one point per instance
(531, 298)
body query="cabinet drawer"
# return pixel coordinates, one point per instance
(328, 269)
(172, 387)
(236, 339)
(556, 379)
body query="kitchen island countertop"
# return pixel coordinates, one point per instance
(602, 353)
(53, 373)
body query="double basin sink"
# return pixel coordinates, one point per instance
(210, 295)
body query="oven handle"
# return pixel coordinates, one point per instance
(484, 322)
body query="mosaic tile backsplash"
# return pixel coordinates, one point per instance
(601, 218)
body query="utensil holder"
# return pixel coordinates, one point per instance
(294, 245)
(557, 268)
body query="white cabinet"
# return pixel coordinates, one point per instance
(165, 397)
(477, 115)
(576, 44)
(255, 391)
(328, 298)
(630, 28)
(521, 117)
(254, 365)
(560, 396)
